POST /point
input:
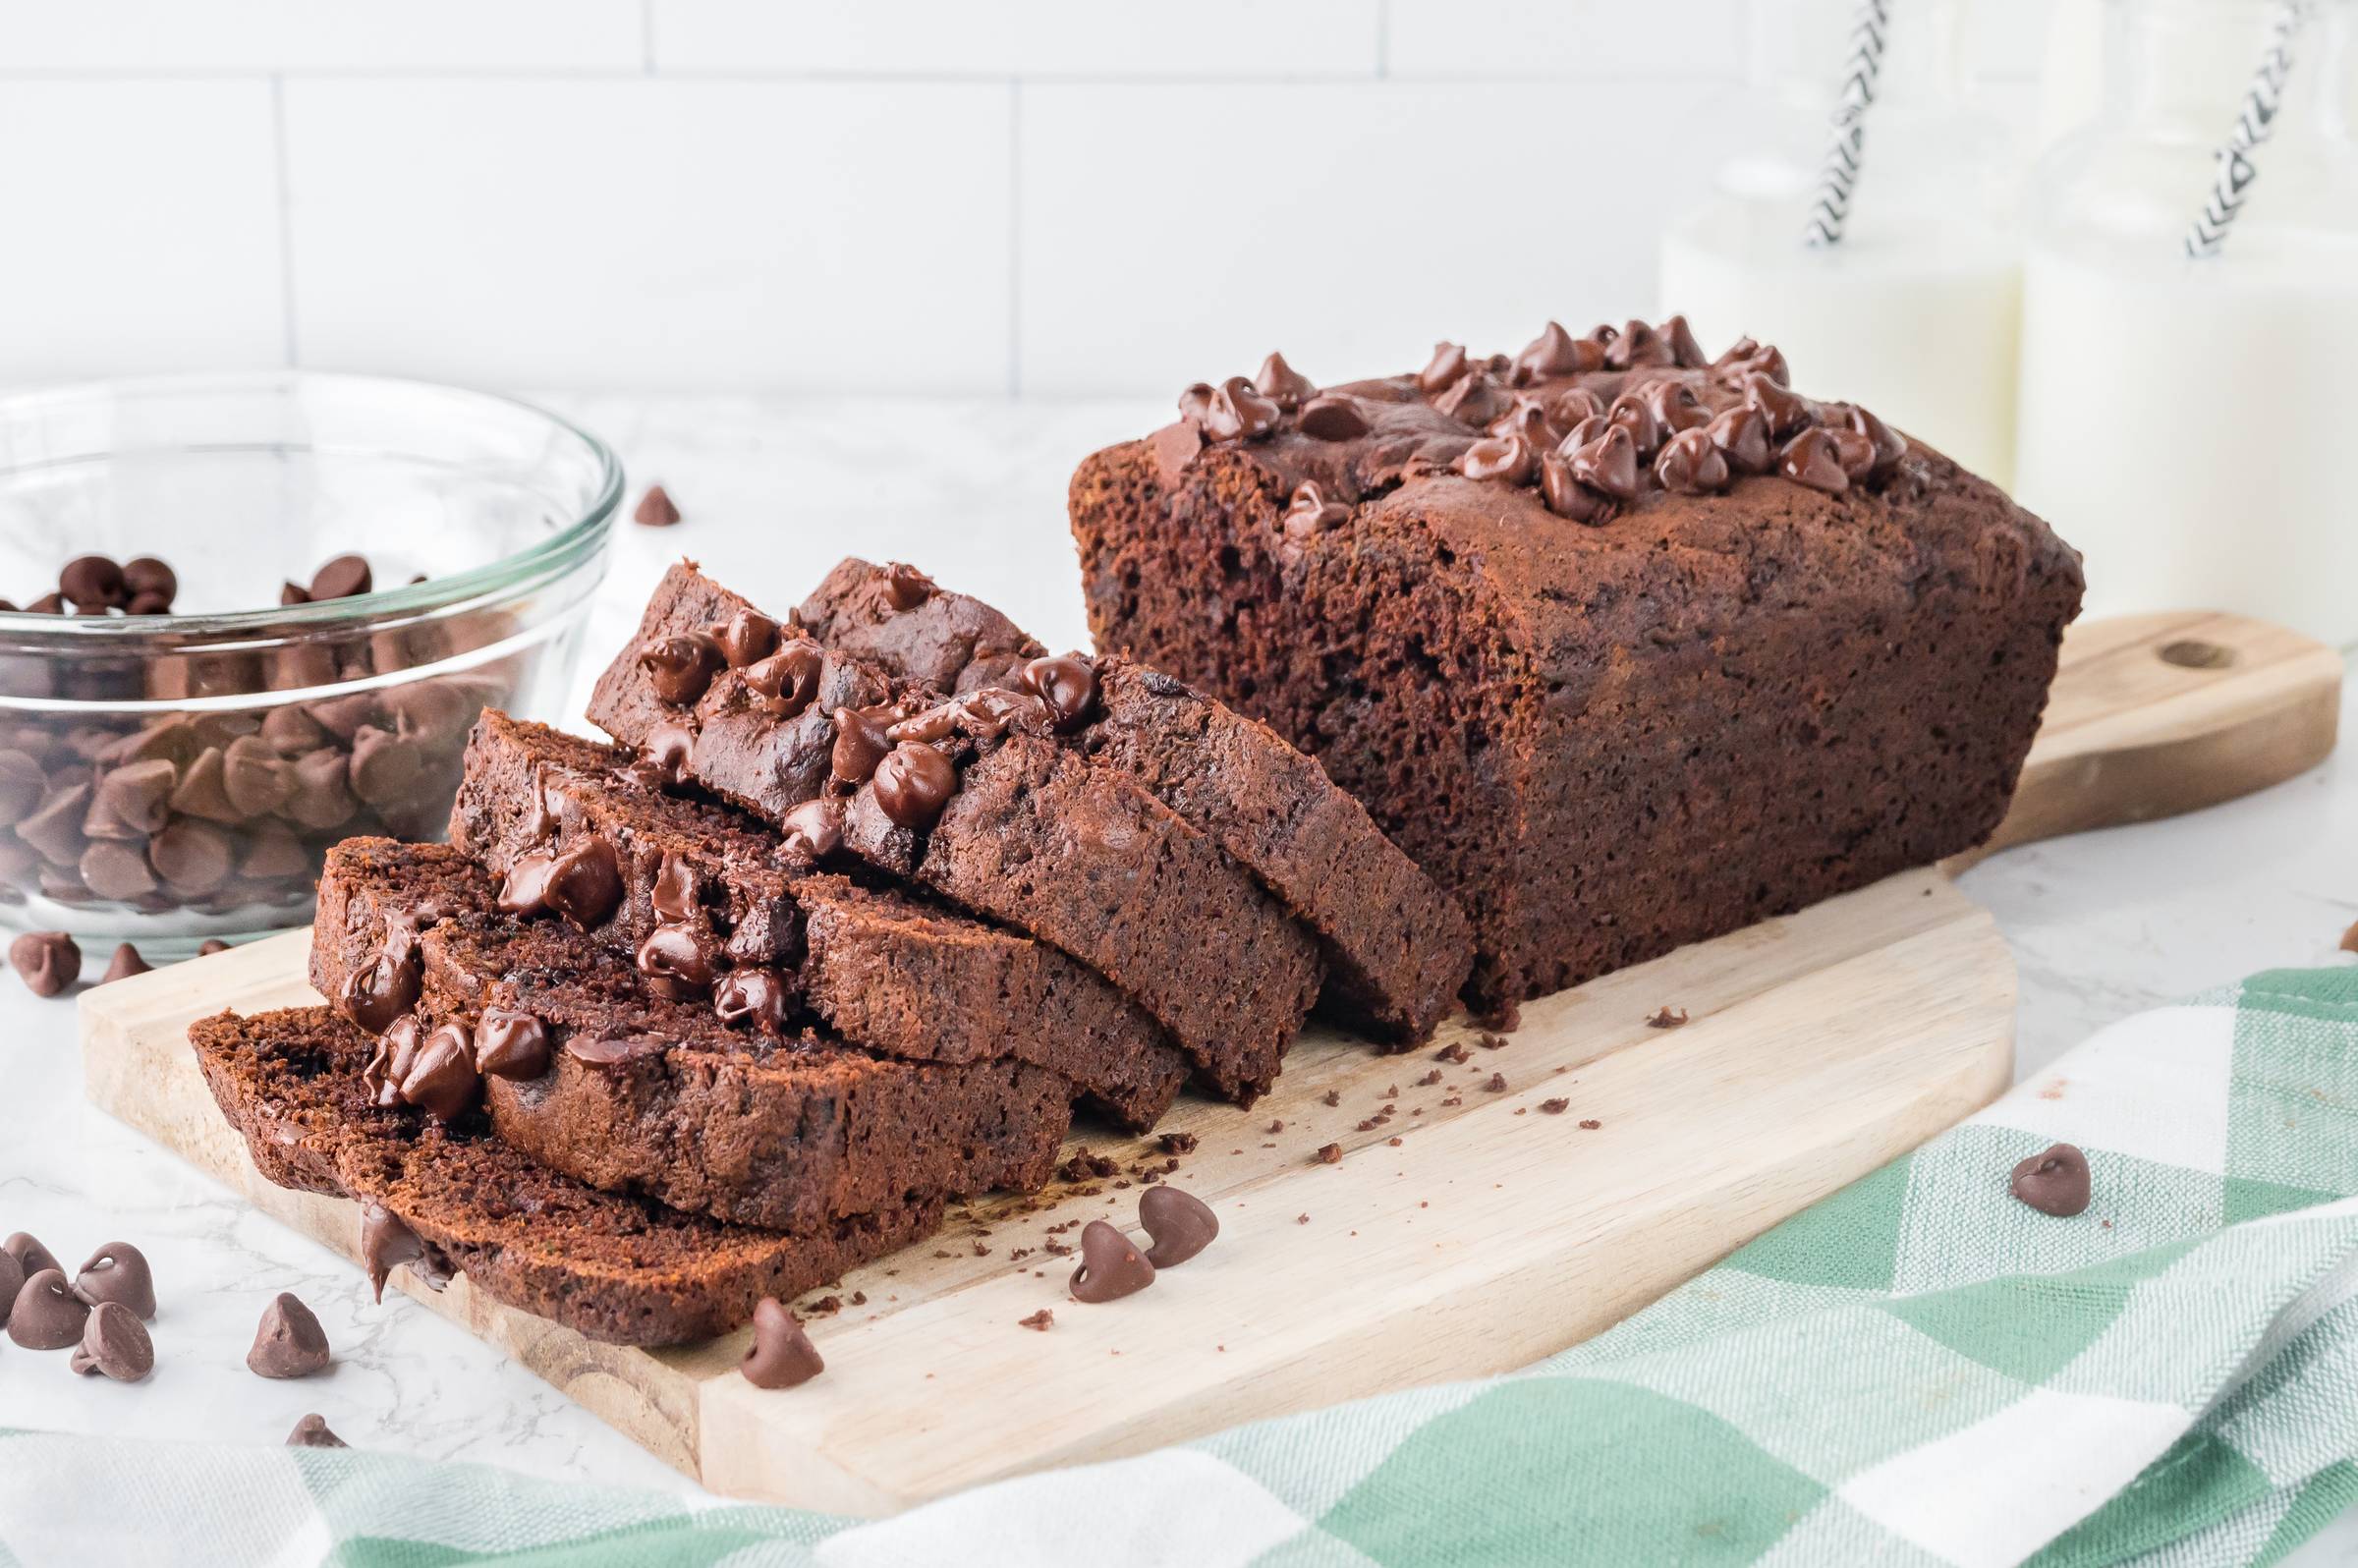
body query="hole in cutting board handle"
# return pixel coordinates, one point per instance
(2193, 653)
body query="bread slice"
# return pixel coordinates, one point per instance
(893, 973)
(788, 1130)
(615, 1268)
(1082, 858)
(1397, 948)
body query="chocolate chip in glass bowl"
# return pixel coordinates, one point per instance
(92, 583)
(341, 578)
(147, 577)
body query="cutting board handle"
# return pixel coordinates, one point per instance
(2155, 714)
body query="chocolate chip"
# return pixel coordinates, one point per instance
(1448, 363)
(211, 945)
(202, 790)
(147, 605)
(1506, 458)
(905, 587)
(312, 1432)
(656, 509)
(1742, 436)
(914, 783)
(1110, 1267)
(1675, 407)
(47, 960)
(12, 1280)
(387, 1244)
(442, 1080)
(1555, 351)
(117, 869)
(289, 1343)
(674, 896)
(511, 1043)
(381, 990)
(781, 1355)
(1888, 444)
(1195, 401)
(1855, 452)
(751, 996)
(1786, 412)
(341, 578)
(1329, 1154)
(1812, 459)
(342, 716)
(21, 785)
(322, 797)
(669, 749)
(1630, 413)
(130, 801)
(1239, 414)
(115, 1343)
(54, 828)
(2053, 1181)
(1308, 513)
(1333, 417)
(609, 1052)
(1689, 465)
(92, 583)
(585, 882)
(1685, 352)
(389, 1064)
(253, 778)
(144, 575)
(193, 856)
(678, 960)
(1528, 419)
(1068, 683)
(787, 680)
(1283, 384)
(1181, 1223)
(1039, 1321)
(1565, 495)
(46, 1313)
(1607, 462)
(859, 745)
(1637, 346)
(290, 593)
(386, 768)
(816, 827)
(272, 853)
(125, 963)
(30, 1258)
(1474, 399)
(680, 666)
(745, 637)
(47, 604)
(117, 1273)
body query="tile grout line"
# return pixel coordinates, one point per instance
(1015, 246)
(286, 223)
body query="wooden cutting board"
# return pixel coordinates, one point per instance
(1481, 1226)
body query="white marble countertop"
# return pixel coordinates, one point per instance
(2100, 924)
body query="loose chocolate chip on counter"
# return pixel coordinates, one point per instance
(115, 1344)
(442, 1080)
(1333, 417)
(1329, 1154)
(47, 960)
(289, 1343)
(12, 1280)
(93, 583)
(387, 1244)
(117, 1273)
(1239, 414)
(816, 827)
(1067, 684)
(312, 1432)
(46, 1313)
(781, 1355)
(511, 1043)
(753, 997)
(125, 963)
(30, 1258)
(905, 587)
(745, 637)
(914, 783)
(2349, 938)
(656, 509)
(211, 945)
(1813, 459)
(2053, 1181)
(859, 745)
(1181, 1224)
(1110, 1267)
(1283, 384)
(342, 578)
(1039, 1321)
(1689, 465)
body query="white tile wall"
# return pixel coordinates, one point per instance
(1048, 197)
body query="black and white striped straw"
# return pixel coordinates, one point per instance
(2255, 120)
(1838, 177)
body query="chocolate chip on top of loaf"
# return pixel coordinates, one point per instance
(1790, 650)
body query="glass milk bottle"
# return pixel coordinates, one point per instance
(2185, 420)
(1913, 313)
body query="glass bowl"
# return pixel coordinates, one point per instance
(166, 778)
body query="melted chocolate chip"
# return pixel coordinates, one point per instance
(1606, 463)
(1283, 384)
(1473, 398)
(1742, 437)
(744, 639)
(781, 1355)
(1555, 351)
(816, 827)
(674, 895)
(1506, 458)
(1786, 412)
(905, 587)
(1181, 1224)
(1630, 413)
(680, 666)
(387, 1244)
(1195, 403)
(1448, 363)
(1565, 495)
(1110, 1267)
(786, 681)
(1675, 407)
(667, 751)
(1685, 352)
(859, 745)
(1239, 414)
(1333, 417)
(1689, 465)
(384, 988)
(1067, 684)
(1887, 445)
(511, 1043)
(755, 998)
(1638, 345)
(442, 1080)
(585, 882)
(396, 1049)
(914, 783)
(678, 960)
(1574, 406)
(1812, 459)
(1307, 511)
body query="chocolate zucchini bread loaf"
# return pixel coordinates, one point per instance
(1396, 946)
(583, 1066)
(615, 1268)
(983, 801)
(708, 890)
(1626, 647)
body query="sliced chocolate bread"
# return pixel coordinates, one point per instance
(993, 808)
(614, 1268)
(585, 1066)
(712, 892)
(1397, 948)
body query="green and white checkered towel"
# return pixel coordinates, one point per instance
(1918, 1371)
